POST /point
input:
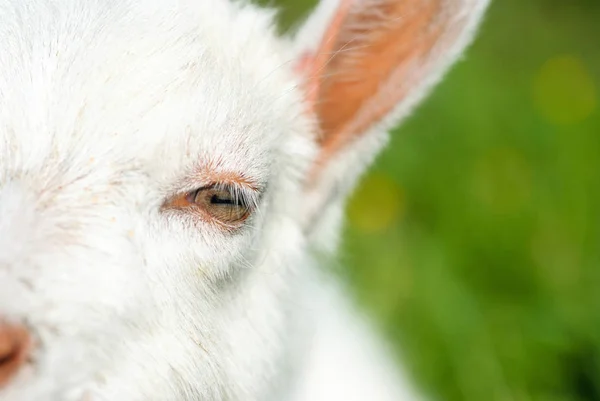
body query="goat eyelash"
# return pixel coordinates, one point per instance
(243, 195)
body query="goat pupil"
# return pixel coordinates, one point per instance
(215, 200)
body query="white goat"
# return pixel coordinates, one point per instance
(169, 169)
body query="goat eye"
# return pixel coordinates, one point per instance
(221, 203)
(228, 204)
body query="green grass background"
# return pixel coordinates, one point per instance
(475, 239)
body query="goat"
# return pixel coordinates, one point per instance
(169, 172)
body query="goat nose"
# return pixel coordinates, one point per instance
(14, 350)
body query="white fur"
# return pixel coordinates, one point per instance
(107, 107)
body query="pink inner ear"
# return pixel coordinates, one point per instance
(379, 48)
(372, 56)
(313, 65)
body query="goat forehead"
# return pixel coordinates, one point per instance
(123, 80)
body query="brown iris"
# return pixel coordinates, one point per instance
(222, 203)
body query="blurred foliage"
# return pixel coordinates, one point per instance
(475, 238)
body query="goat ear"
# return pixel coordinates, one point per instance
(365, 65)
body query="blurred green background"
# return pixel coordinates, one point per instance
(475, 239)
